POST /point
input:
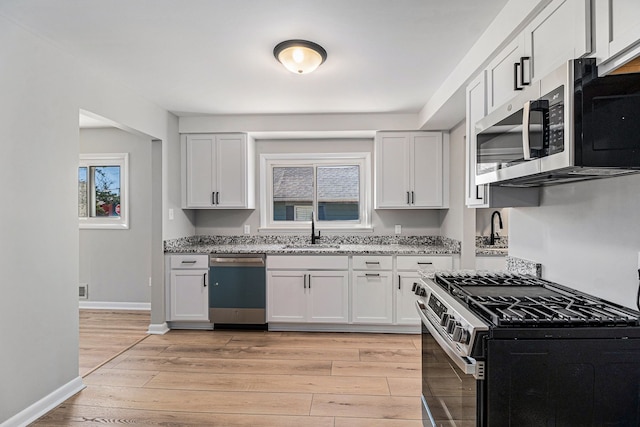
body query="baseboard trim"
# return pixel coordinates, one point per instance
(158, 328)
(106, 305)
(330, 327)
(202, 326)
(46, 404)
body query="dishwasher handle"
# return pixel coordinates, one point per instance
(224, 260)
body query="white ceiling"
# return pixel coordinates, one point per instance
(196, 57)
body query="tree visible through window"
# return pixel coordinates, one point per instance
(101, 187)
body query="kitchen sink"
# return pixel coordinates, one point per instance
(315, 246)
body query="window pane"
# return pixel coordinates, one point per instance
(83, 194)
(107, 190)
(338, 193)
(292, 193)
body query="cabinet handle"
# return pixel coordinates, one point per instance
(189, 262)
(304, 281)
(413, 199)
(213, 197)
(372, 274)
(399, 283)
(425, 263)
(522, 59)
(217, 197)
(204, 280)
(516, 66)
(309, 281)
(372, 262)
(408, 198)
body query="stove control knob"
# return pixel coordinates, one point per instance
(460, 334)
(451, 325)
(444, 319)
(423, 292)
(417, 290)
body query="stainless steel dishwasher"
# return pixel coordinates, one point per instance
(237, 289)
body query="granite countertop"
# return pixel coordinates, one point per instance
(499, 248)
(292, 245)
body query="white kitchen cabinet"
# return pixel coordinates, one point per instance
(562, 31)
(407, 267)
(411, 170)
(617, 32)
(372, 289)
(218, 171)
(372, 297)
(307, 289)
(188, 288)
(504, 74)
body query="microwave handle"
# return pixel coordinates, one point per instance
(526, 146)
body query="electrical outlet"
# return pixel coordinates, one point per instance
(247, 229)
(398, 229)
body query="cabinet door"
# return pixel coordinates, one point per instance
(231, 171)
(476, 110)
(372, 297)
(562, 31)
(199, 170)
(286, 296)
(618, 27)
(406, 313)
(426, 166)
(392, 171)
(189, 295)
(500, 74)
(328, 297)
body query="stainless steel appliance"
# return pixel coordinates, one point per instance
(510, 350)
(569, 126)
(237, 291)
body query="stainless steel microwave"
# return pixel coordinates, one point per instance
(569, 126)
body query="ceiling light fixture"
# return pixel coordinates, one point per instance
(300, 56)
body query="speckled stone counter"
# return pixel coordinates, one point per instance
(523, 266)
(499, 248)
(338, 245)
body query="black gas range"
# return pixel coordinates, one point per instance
(526, 352)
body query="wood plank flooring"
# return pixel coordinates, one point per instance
(253, 378)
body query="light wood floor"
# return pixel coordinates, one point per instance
(253, 378)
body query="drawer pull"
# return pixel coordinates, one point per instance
(372, 262)
(372, 274)
(425, 263)
(189, 262)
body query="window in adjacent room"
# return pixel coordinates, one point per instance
(103, 191)
(332, 188)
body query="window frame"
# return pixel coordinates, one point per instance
(270, 160)
(106, 159)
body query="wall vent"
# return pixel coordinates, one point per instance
(83, 291)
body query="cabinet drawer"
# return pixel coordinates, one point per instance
(426, 262)
(308, 262)
(372, 262)
(189, 261)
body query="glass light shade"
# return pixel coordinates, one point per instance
(300, 56)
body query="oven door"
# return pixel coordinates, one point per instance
(448, 393)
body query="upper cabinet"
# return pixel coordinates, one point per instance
(218, 171)
(562, 31)
(411, 170)
(617, 32)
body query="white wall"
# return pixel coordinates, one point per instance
(116, 264)
(586, 235)
(43, 90)
(231, 222)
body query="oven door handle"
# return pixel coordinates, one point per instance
(466, 364)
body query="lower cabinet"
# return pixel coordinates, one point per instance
(308, 296)
(406, 313)
(372, 297)
(188, 288)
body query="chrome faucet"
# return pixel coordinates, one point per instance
(313, 231)
(494, 234)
